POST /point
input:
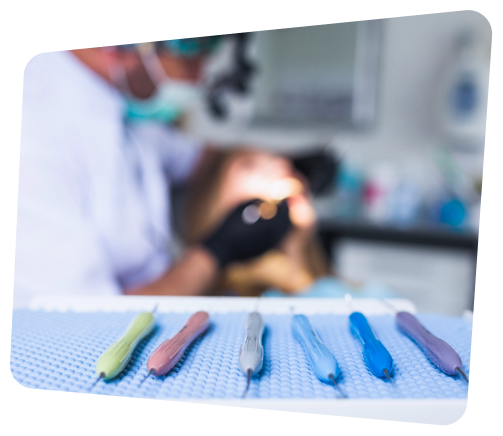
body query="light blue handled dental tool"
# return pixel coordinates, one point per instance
(321, 360)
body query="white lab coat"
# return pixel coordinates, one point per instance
(93, 210)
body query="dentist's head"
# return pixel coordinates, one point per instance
(159, 80)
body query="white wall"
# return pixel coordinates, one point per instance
(415, 52)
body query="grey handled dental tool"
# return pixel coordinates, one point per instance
(251, 353)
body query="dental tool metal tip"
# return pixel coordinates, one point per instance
(388, 376)
(344, 395)
(151, 372)
(102, 375)
(463, 374)
(248, 378)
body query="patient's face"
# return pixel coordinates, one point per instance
(259, 174)
(253, 174)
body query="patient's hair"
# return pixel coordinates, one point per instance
(204, 211)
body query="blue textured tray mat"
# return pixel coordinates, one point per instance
(58, 351)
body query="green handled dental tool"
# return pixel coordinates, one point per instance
(117, 355)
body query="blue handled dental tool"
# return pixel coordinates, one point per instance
(376, 356)
(321, 360)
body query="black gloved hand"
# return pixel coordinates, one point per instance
(245, 233)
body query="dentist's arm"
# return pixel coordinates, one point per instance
(193, 274)
(242, 235)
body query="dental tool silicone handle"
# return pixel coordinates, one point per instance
(251, 353)
(116, 357)
(375, 354)
(167, 355)
(320, 358)
(437, 350)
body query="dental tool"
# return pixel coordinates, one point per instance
(441, 354)
(167, 355)
(251, 353)
(116, 356)
(321, 360)
(376, 356)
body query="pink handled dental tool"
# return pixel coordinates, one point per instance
(167, 355)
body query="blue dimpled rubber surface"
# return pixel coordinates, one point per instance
(58, 351)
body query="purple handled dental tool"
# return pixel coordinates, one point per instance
(438, 351)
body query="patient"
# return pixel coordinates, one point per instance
(234, 176)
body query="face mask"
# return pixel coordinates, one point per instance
(170, 101)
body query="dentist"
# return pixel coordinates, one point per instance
(98, 158)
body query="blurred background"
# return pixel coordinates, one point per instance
(400, 105)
